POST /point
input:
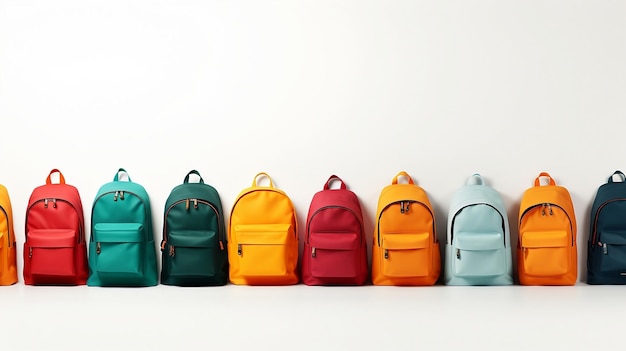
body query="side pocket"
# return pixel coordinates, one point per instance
(406, 255)
(334, 255)
(262, 249)
(612, 255)
(546, 253)
(192, 253)
(479, 254)
(51, 252)
(3, 254)
(119, 249)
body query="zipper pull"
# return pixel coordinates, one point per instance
(172, 253)
(45, 203)
(117, 193)
(550, 209)
(121, 195)
(386, 254)
(313, 253)
(195, 203)
(30, 252)
(543, 209)
(605, 249)
(98, 249)
(54, 203)
(406, 210)
(402, 207)
(221, 246)
(458, 254)
(187, 204)
(163, 242)
(239, 249)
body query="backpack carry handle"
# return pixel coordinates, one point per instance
(117, 175)
(61, 177)
(544, 174)
(201, 181)
(334, 177)
(475, 179)
(402, 174)
(255, 183)
(621, 175)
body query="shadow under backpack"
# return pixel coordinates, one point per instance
(122, 251)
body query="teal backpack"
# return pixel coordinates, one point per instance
(193, 248)
(478, 248)
(121, 249)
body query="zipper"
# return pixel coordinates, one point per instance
(46, 202)
(195, 203)
(120, 194)
(404, 208)
(98, 248)
(313, 254)
(595, 237)
(605, 249)
(458, 254)
(546, 210)
(476, 204)
(6, 216)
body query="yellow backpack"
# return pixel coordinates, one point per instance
(263, 237)
(547, 251)
(406, 249)
(8, 266)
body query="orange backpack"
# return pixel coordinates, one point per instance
(546, 251)
(263, 237)
(8, 268)
(406, 249)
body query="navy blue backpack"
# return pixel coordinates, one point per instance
(606, 251)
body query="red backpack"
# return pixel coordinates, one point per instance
(335, 248)
(55, 249)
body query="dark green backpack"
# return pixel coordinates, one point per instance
(194, 237)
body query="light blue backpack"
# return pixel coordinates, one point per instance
(478, 247)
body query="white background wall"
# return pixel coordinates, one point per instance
(305, 89)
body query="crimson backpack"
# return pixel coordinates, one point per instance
(335, 248)
(55, 249)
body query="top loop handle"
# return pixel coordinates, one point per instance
(544, 174)
(61, 177)
(402, 173)
(334, 177)
(475, 179)
(621, 175)
(193, 171)
(255, 183)
(117, 175)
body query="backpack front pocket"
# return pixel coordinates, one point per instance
(119, 249)
(406, 255)
(51, 252)
(334, 255)
(479, 254)
(546, 253)
(613, 252)
(262, 249)
(192, 253)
